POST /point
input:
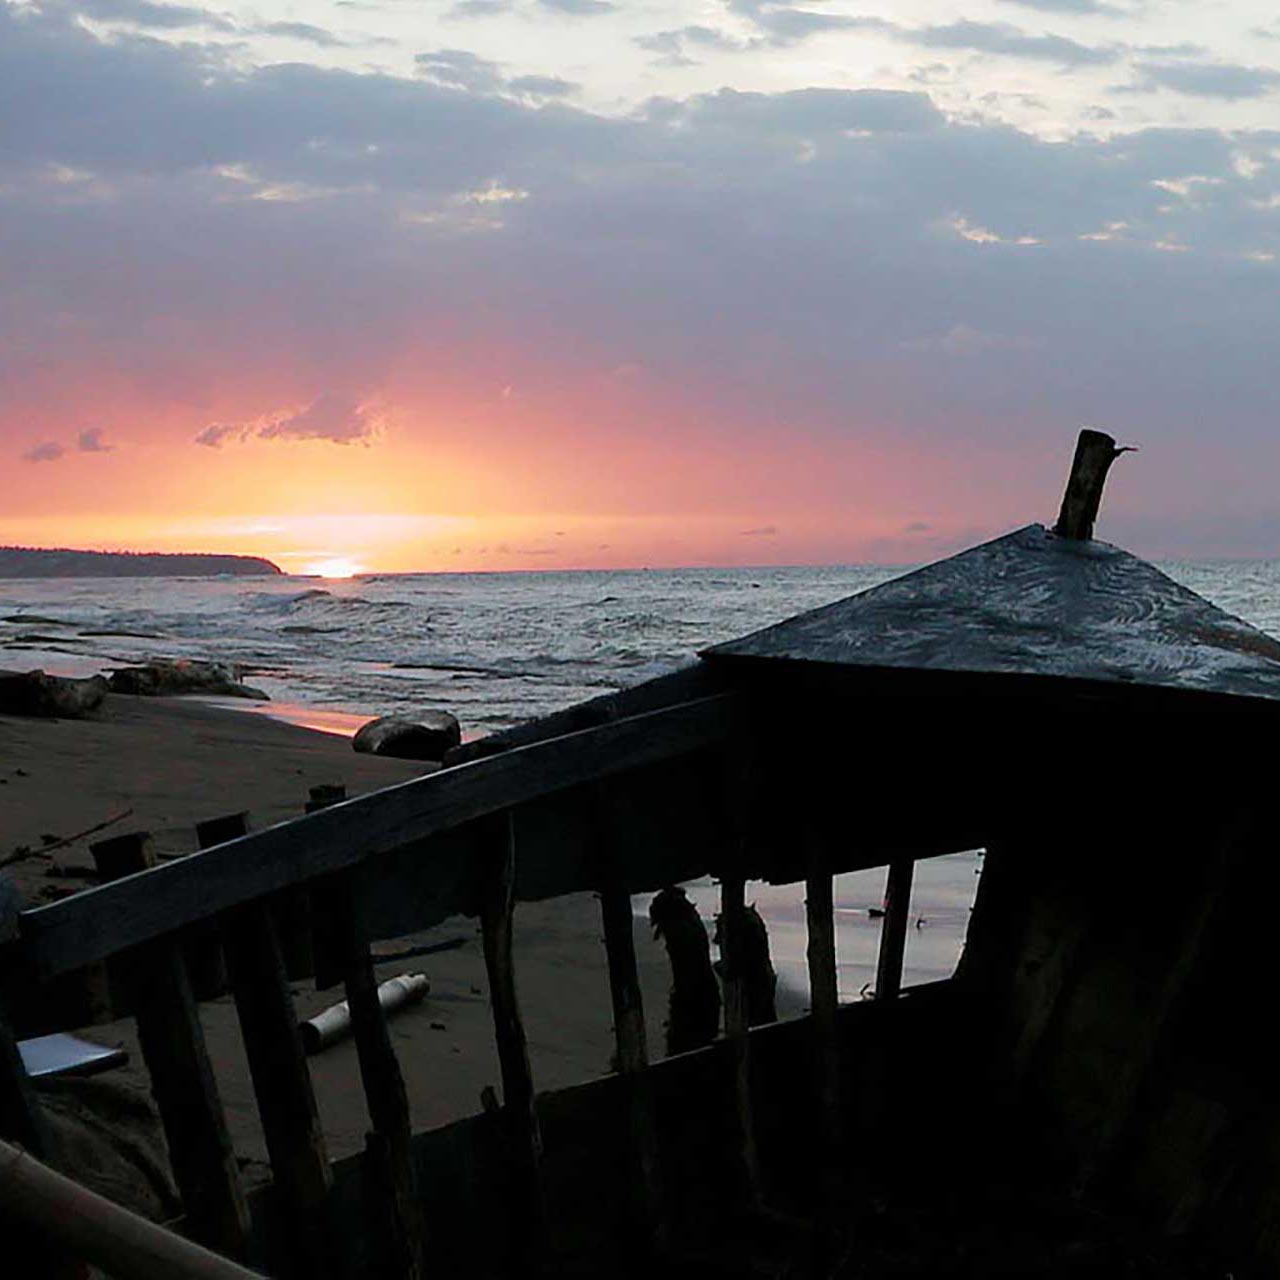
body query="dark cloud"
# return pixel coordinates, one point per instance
(579, 8)
(303, 31)
(1001, 38)
(1227, 81)
(673, 46)
(763, 531)
(49, 451)
(91, 440)
(540, 87)
(332, 416)
(145, 13)
(479, 8)
(340, 419)
(803, 113)
(783, 24)
(1071, 6)
(460, 69)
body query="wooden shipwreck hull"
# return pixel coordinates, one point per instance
(1102, 1055)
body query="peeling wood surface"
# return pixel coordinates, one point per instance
(1033, 604)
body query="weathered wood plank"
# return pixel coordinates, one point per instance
(329, 906)
(733, 976)
(93, 925)
(824, 1001)
(347, 952)
(182, 1080)
(519, 1111)
(647, 1214)
(281, 1076)
(388, 1103)
(21, 1117)
(893, 938)
(1095, 452)
(697, 680)
(202, 942)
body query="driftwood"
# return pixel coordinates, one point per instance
(733, 971)
(47, 849)
(342, 954)
(73, 1218)
(646, 1208)
(529, 1240)
(824, 1002)
(759, 977)
(693, 1011)
(21, 1117)
(893, 937)
(182, 1081)
(1095, 452)
(281, 1078)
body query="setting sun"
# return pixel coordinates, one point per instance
(339, 567)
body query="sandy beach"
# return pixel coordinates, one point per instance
(174, 762)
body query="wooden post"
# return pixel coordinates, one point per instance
(328, 903)
(281, 1077)
(388, 1147)
(529, 1241)
(202, 944)
(1095, 452)
(71, 1217)
(893, 940)
(631, 1047)
(22, 1119)
(824, 1000)
(182, 1081)
(732, 923)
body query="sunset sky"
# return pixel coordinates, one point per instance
(552, 283)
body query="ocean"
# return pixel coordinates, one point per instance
(496, 649)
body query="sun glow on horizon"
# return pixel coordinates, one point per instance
(338, 567)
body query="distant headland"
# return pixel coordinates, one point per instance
(58, 562)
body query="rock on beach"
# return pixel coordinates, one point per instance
(33, 693)
(428, 738)
(167, 677)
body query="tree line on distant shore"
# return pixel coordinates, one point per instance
(60, 562)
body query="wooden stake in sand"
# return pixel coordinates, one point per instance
(632, 1053)
(824, 1001)
(172, 1040)
(1095, 452)
(341, 948)
(281, 1077)
(21, 1116)
(736, 1020)
(519, 1113)
(893, 938)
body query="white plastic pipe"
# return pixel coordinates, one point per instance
(334, 1023)
(81, 1224)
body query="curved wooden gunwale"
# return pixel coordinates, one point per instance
(94, 925)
